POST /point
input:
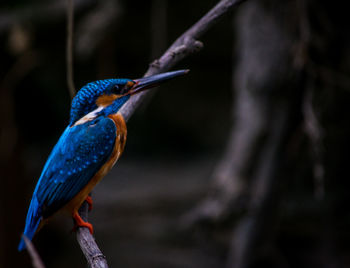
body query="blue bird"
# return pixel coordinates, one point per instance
(86, 151)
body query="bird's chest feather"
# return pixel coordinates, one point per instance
(119, 144)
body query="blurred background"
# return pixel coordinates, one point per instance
(241, 163)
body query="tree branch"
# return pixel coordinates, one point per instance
(184, 46)
(87, 243)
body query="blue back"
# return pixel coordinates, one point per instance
(80, 152)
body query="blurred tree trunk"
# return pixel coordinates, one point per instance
(267, 86)
(287, 84)
(269, 89)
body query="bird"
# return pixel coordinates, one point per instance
(86, 151)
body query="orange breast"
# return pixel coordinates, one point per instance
(120, 140)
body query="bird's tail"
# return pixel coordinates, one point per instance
(32, 222)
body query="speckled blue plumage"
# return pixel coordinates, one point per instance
(85, 100)
(78, 155)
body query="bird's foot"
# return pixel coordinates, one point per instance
(89, 201)
(79, 222)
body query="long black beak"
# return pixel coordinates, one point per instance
(154, 80)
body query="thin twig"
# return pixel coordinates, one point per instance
(185, 45)
(158, 27)
(35, 13)
(69, 49)
(36, 260)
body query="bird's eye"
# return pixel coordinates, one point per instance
(126, 88)
(119, 89)
(122, 89)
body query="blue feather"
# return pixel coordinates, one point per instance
(78, 155)
(32, 222)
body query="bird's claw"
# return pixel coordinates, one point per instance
(89, 201)
(79, 222)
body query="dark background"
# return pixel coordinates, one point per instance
(241, 163)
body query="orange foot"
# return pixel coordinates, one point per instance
(79, 222)
(89, 201)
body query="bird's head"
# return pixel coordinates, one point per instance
(104, 97)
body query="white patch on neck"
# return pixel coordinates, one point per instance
(90, 116)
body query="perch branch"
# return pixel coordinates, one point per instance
(88, 245)
(184, 46)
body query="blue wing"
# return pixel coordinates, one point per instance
(78, 155)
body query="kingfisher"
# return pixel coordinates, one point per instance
(86, 151)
